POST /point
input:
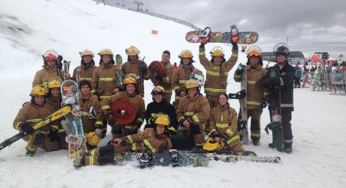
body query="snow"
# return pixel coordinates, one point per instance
(29, 28)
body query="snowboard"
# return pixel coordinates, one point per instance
(157, 68)
(199, 77)
(56, 115)
(119, 62)
(73, 124)
(274, 106)
(66, 67)
(242, 120)
(78, 75)
(219, 37)
(173, 158)
(124, 112)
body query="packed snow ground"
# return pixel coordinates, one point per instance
(30, 28)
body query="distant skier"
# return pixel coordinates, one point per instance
(50, 69)
(175, 66)
(285, 82)
(297, 77)
(254, 90)
(28, 115)
(154, 139)
(217, 71)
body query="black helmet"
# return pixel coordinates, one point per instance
(281, 49)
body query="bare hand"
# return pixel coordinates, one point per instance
(195, 70)
(117, 140)
(223, 140)
(217, 139)
(116, 90)
(187, 124)
(67, 75)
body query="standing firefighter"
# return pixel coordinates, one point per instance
(135, 67)
(217, 71)
(154, 139)
(50, 69)
(104, 80)
(132, 95)
(165, 82)
(181, 76)
(285, 84)
(86, 69)
(31, 114)
(254, 90)
(193, 112)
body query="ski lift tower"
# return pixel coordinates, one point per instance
(139, 3)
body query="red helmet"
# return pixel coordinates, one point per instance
(50, 55)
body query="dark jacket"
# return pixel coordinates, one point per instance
(285, 82)
(165, 107)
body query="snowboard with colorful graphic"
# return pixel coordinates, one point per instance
(73, 124)
(219, 37)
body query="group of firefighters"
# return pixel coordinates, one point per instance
(191, 113)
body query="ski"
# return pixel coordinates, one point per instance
(220, 152)
(119, 62)
(56, 115)
(66, 67)
(78, 75)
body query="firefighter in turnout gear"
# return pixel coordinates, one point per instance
(86, 69)
(31, 114)
(104, 80)
(223, 124)
(217, 71)
(165, 82)
(285, 83)
(130, 94)
(135, 67)
(181, 76)
(54, 98)
(256, 93)
(193, 112)
(50, 70)
(92, 116)
(154, 139)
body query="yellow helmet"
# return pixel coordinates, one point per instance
(106, 51)
(185, 54)
(158, 90)
(92, 138)
(38, 90)
(132, 51)
(162, 119)
(191, 84)
(86, 52)
(129, 79)
(211, 145)
(54, 83)
(217, 51)
(254, 51)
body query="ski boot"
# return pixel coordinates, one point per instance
(288, 148)
(256, 142)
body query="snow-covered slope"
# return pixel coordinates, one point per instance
(29, 28)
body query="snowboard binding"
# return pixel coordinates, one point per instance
(205, 37)
(234, 34)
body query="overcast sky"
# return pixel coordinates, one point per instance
(310, 25)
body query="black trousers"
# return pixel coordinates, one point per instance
(287, 126)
